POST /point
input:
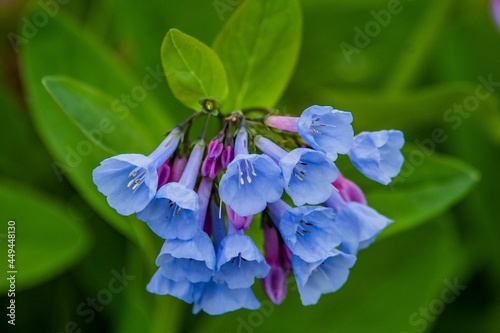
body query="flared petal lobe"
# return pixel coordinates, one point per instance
(188, 260)
(250, 182)
(327, 129)
(129, 182)
(174, 212)
(239, 262)
(378, 155)
(321, 277)
(310, 232)
(308, 175)
(218, 298)
(160, 285)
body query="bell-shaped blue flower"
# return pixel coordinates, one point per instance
(360, 224)
(251, 180)
(326, 129)
(217, 298)
(160, 285)
(239, 261)
(310, 232)
(307, 173)
(188, 260)
(321, 277)
(174, 212)
(130, 181)
(377, 155)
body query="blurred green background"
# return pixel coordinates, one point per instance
(428, 68)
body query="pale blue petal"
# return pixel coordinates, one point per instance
(112, 178)
(160, 285)
(250, 182)
(173, 213)
(322, 277)
(308, 175)
(310, 232)
(192, 260)
(239, 262)
(327, 129)
(377, 155)
(218, 298)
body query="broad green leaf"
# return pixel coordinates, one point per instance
(390, 281)
(48, 239)
(427, 186)
(111, 128)
(85, 59)
(22, 148)
(193, 70)
(259, 46)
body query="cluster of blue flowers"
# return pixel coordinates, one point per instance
(314, 220)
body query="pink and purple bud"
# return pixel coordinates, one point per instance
(177, 168)
(212, 163)
(163, 173)
(348, 190)
(495, 6)
(239, 222)
(274, 284)
(227, 156)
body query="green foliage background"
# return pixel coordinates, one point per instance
(420, 69)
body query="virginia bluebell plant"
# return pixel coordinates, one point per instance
(264, 168)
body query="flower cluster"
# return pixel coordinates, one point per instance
(278, 170)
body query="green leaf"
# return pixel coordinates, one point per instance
(48, 239)
(85, 59)
(113, 130)
(259, 46)
(193, 70)
(427, 186)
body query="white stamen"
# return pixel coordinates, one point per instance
(136, 186)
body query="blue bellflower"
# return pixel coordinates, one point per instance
(310, 232)
(217, 298)
(360, 224)
(190, 260)
(307, 173)
(174, 212)
(239, 261)
(160, 285)
(326, 129)
(377, 155)
(129, 181)
(321, 277)
(251, 180)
